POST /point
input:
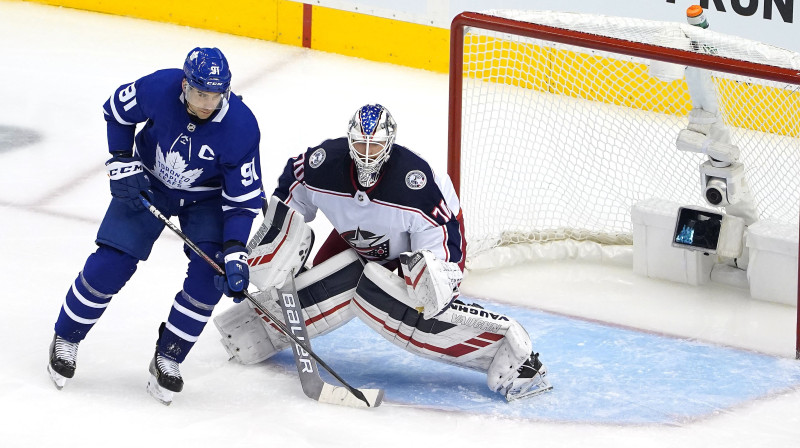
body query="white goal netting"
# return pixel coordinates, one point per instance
(558, 141)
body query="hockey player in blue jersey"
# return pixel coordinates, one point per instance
(196, 157)
(390, 212)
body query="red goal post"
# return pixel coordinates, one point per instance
(472, 67)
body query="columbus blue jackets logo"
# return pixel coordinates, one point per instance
(416, 179)
(370, 246)
(317, 157)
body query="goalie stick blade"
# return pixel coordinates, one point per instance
(341, 396)
(317, 389)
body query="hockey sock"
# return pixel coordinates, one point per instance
(191, 308)
(106, 271)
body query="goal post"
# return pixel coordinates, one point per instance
(559, 123)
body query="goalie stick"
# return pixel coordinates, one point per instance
(313, 385)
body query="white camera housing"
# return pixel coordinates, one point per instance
(721, 176)
(722, 185)
(666, 71)
(693, 141)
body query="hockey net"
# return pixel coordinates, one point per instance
(558, 126)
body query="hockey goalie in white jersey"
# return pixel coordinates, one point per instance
(390, 212)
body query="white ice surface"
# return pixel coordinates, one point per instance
(59, 65)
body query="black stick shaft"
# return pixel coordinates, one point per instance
(252, 299)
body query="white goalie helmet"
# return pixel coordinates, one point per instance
(370, 137)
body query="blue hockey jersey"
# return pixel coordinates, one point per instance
(187, 160)
(409, 208)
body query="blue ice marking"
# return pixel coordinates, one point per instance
(600, 373)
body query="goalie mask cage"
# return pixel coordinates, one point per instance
(558, 126)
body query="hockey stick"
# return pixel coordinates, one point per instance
(313, 385)
(318, 389)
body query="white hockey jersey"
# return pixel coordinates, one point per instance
(408, 209)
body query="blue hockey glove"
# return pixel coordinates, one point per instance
(237, 273)
(128, 180)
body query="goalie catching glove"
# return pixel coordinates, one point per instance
(431, 282)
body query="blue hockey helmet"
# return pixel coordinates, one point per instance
(370, 136)
(207, 69)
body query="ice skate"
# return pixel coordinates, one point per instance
(531, 380)
(165, 379)
(63, 356)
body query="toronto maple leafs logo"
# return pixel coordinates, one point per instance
(171, 170)
(370, 246)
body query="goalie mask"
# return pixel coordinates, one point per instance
(370, 136)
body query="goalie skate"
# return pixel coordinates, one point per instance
(531, 380)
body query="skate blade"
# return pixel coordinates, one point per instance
(540, 388)
(58, 380)
(163, 396)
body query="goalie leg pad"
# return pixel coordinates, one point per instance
(245, 336)
(326, 290)
(325, 293)
(465, 335)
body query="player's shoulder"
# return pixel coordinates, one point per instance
(329, 153)
(160, 82)
(240, 117)
(156, 93)
(410, 168)
(327, 166)
(409, 159)
(409, 180)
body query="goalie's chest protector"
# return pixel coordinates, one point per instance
(383, 221)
